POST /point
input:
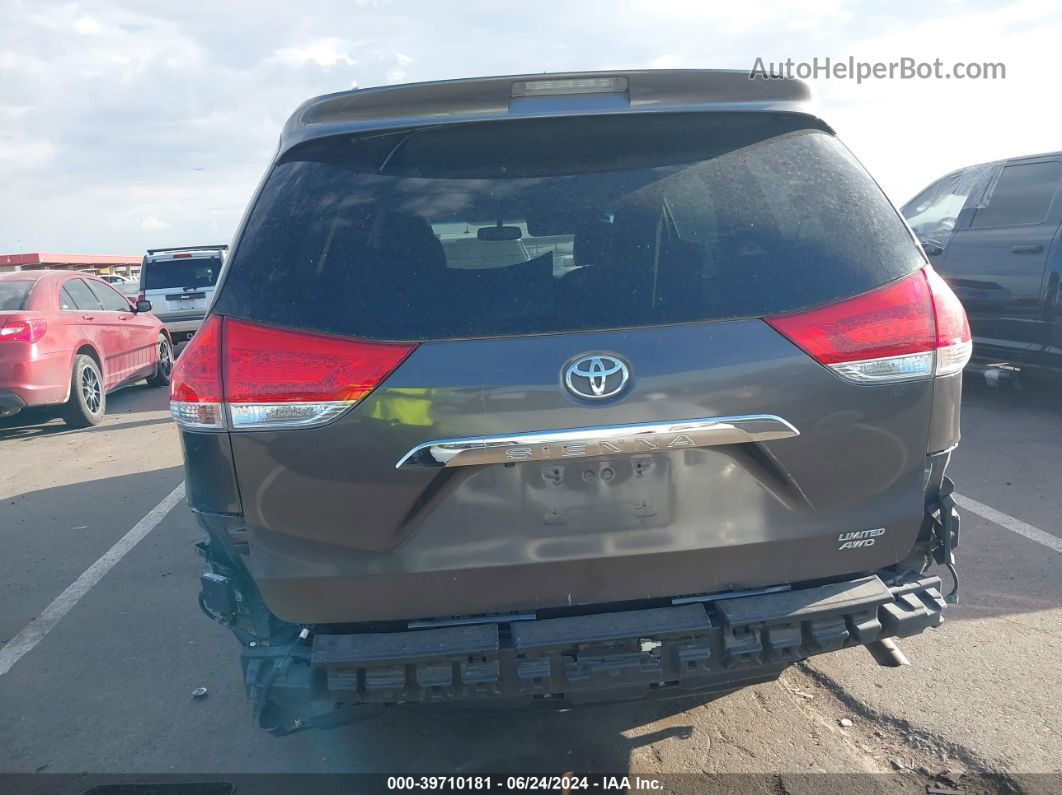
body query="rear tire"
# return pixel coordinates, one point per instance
(164, 367)
(88, 398)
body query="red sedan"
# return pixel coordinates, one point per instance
(68, 338)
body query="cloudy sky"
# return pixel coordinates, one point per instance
(130, 123)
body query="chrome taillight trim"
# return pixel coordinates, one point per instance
(891, 369)
(946, 360)
(257, 416)
(952, 359)
(199, 416)
(598, 440)
(277, 416)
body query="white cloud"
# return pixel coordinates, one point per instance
(116, 115)
(153, 223)
(87, 26)
(668, 61)
(323, 52)
(24, 154)
(908, 132)
(750, 18)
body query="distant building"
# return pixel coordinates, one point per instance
(98, 263)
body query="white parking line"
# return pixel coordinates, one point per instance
(1010, 523)
(34, 632)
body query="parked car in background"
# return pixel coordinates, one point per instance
(437, 469)
(992, 231)
(179, 283)
(67, 339)
(122, 284)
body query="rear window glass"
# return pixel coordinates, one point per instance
(13, 295)
(541, 226)
(177, 274)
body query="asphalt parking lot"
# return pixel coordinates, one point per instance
(108, 688)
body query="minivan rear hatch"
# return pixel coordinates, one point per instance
(580, 303)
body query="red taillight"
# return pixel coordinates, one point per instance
(197, 375)
(888, 334)
(25, 329)
(891, 321)
(242, 375)
(196, 399)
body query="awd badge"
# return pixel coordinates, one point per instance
(854, 539)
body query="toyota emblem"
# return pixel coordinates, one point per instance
(596, 376)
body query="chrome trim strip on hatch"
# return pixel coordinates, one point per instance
(596, 441)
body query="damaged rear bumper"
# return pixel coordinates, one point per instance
(706, 647)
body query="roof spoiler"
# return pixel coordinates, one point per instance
(540, 95)
(219, 247)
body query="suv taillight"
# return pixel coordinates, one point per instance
(912, 328)
(240, 375)
(25, 329)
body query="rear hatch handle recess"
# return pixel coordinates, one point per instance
(596, 441)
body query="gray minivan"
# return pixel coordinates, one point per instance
(690, 430)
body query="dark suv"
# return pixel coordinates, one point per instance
(555, 389)
(992, 231)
